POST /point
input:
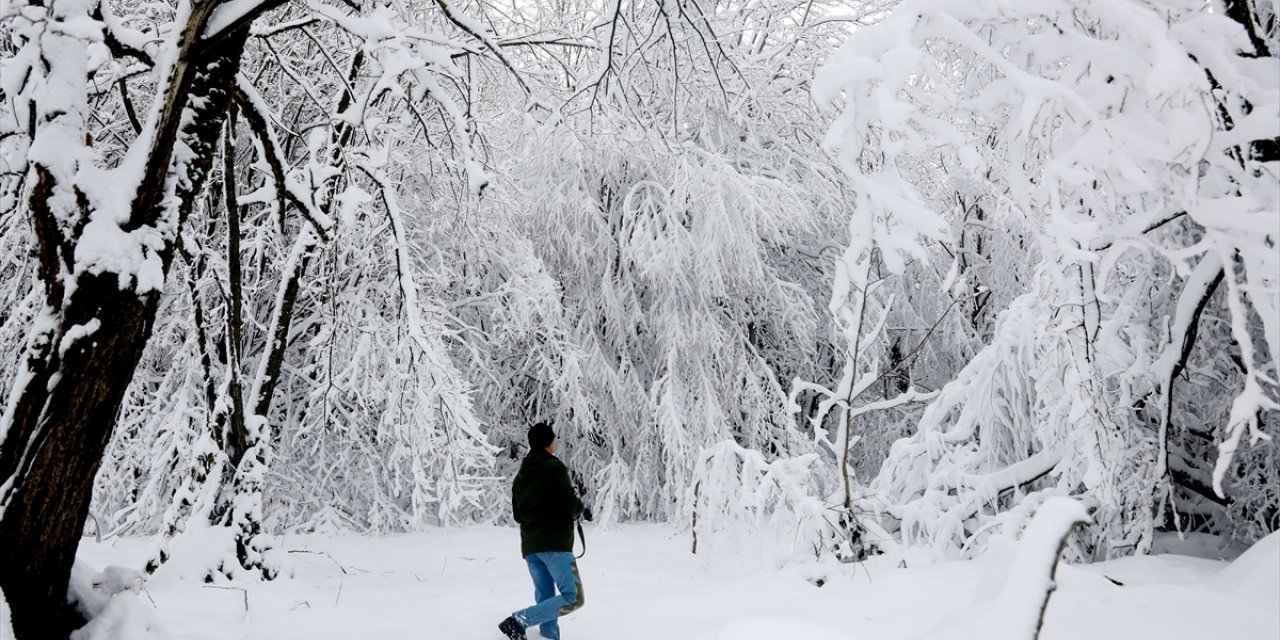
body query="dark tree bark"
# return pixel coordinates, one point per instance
(46, 512)
(236, 438)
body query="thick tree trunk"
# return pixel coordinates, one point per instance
(69, 426)
(80, 362)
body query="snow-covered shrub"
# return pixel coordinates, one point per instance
(736, 492)
(1020, 423)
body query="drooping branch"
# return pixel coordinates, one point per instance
(269, 363)
(128, 105)
(286, 188)
(479, 33)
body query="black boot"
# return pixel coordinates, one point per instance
(512, 628)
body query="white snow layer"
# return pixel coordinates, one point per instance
(642, 583)
(1255, 575)
(6, 619)
(109, 599)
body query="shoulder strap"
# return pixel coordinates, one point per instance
(582, 537)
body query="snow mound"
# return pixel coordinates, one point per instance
(1255, 573)
(109, 600)
(773, 629)
(116, 579)
(1197, 545)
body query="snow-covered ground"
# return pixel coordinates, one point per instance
(641, 583)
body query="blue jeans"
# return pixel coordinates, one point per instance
(552, 570)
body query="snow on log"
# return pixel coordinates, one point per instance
(1017, 611)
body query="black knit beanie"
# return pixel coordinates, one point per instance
(540, 436)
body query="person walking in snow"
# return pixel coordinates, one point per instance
(545, 506)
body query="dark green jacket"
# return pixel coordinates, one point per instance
(544, 504)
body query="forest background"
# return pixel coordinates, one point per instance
(881, 274)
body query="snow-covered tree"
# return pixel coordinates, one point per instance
(106, 215)
(1130, 146)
